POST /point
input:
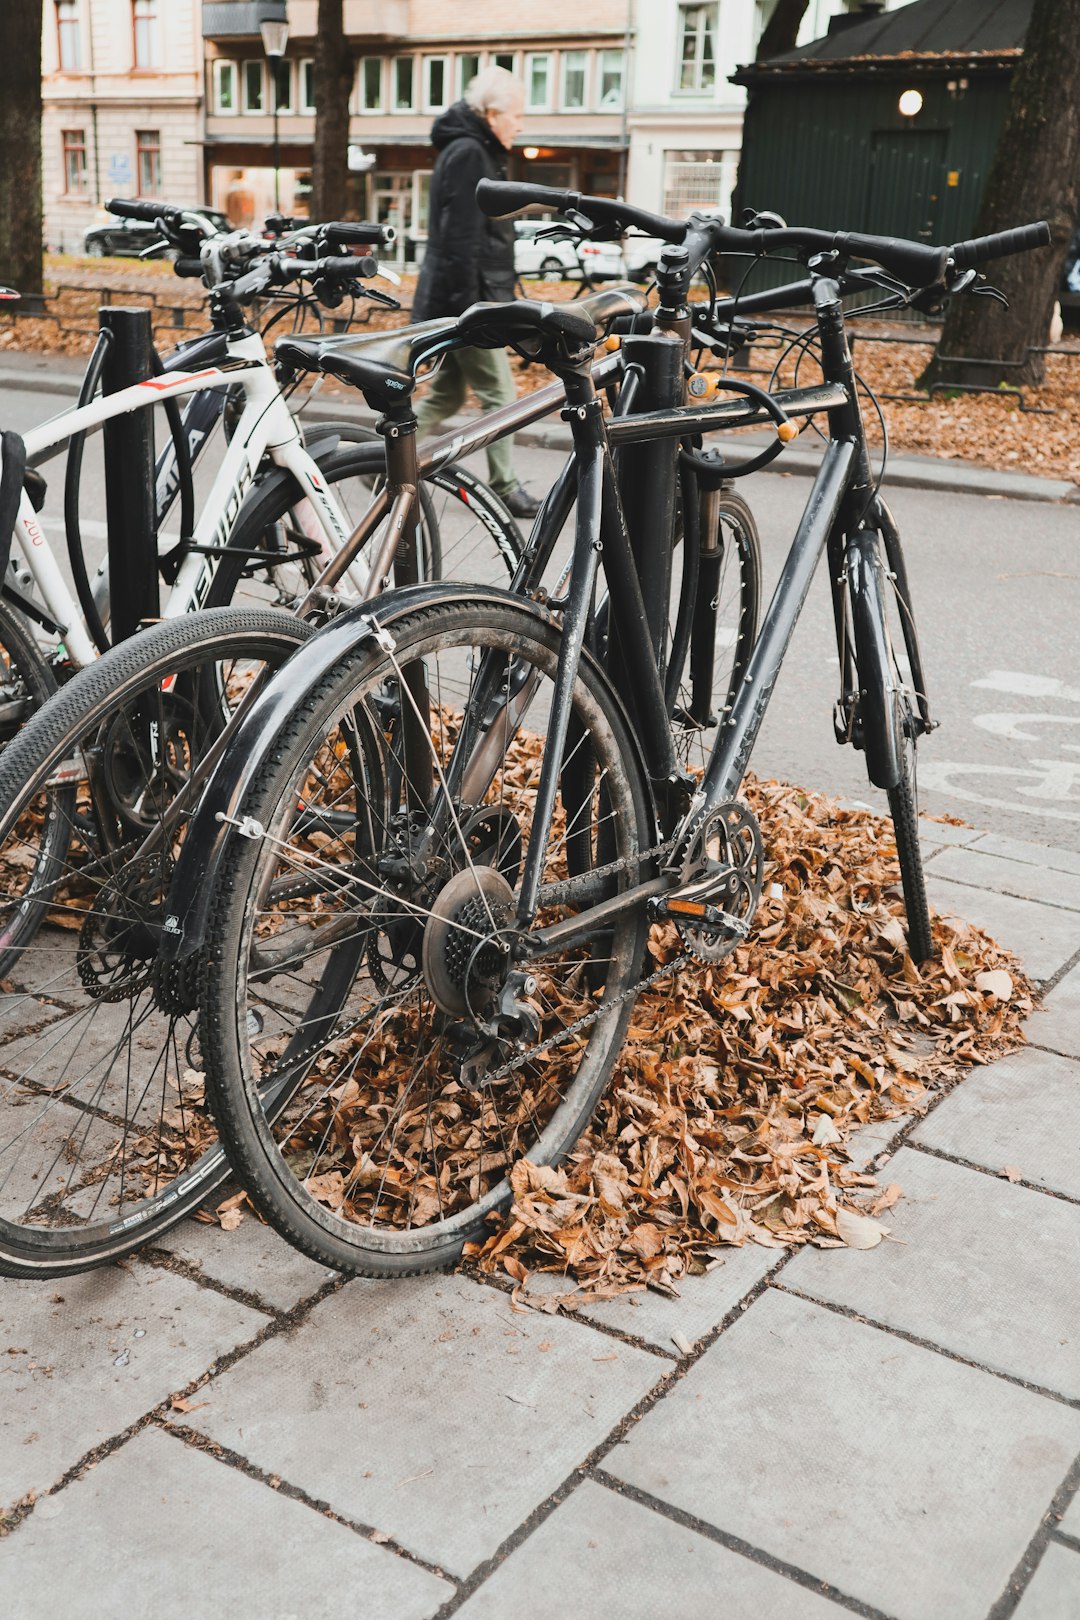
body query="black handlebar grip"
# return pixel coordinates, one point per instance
(135, 208)
(911, 262)
(981, 249)
(188, 267)
(497, 198)
(361, 233)
(346, 267)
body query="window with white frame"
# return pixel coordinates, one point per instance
(307, 85)
(609, 90)
(145, 18)
(436, 83)
(505, 59)
(371, 84)
(404, 74)
(253, 87)
(281, 84)
(224, 78)
(696, 67)
(538, 81)
(573, 67)
(68, 36)
(468, 66)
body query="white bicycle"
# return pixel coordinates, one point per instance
(279, 507)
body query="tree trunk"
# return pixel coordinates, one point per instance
(20, 147)
(333, 84)
(1035, 175)
(779, 35)
(782, 29)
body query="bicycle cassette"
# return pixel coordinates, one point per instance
(722, 867)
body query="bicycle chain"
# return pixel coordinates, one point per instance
(631, 993)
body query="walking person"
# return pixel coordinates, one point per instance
(470, 258)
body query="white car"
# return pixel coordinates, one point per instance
(641, 255)
(534, 255)
(555, 257)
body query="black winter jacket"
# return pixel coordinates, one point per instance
(469, 257)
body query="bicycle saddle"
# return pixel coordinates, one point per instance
(492, 325)
(380, 364)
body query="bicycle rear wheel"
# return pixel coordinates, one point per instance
(26, 681)
(465, 531)
(105, 1140)
(382, 1045)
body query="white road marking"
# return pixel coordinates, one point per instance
(1015, 681)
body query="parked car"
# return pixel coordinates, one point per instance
(129, 237)
(556, 257)
(1069, 291)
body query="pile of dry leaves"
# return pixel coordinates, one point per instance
(731, 1110)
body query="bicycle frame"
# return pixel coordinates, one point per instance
(265, 426)
(842, 513)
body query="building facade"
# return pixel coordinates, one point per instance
(413, 59)
(177, 98)
(122, 108)
(685, 120)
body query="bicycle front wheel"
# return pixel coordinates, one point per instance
(105, 1140)
(384, 1042)
(889, 722)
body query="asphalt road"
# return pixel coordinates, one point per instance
(996, 588)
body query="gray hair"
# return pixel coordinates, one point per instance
(495, 89)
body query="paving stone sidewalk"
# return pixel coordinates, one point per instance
(222, 1428)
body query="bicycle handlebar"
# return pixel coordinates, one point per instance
(981, 249)
(362, 233)
(497, 198)
(136, 208)
(275, 271)
(917, 264)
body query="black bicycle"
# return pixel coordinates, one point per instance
(437, 843)
(105, 1137)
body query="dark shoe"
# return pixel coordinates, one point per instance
(520, 503)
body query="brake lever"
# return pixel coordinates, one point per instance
(991, 292)
(155, 247)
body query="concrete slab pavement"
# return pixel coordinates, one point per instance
(893, 1433)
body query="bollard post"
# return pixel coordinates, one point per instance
(129, 477)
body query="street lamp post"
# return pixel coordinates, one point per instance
(275, 37)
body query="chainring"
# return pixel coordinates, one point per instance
(724, 866)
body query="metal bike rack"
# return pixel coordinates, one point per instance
(129, 477)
